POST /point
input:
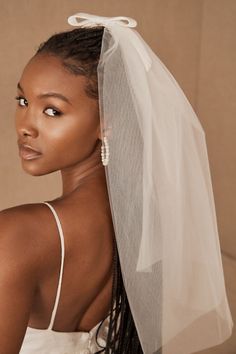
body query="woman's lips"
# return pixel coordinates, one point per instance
(28, 154)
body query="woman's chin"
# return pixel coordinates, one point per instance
(33, 171)
(34, 168)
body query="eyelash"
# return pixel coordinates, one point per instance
(58, 113)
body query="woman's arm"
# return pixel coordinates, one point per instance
(18, 279)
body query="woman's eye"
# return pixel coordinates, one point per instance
(21, 101)
(52, 112)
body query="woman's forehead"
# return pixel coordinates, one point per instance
(46, 73)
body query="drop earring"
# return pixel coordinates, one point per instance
(105, 151)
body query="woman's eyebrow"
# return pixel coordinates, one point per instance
(54, 94)
(48, 94)
(19, 87)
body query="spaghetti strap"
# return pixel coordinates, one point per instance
(62, 264)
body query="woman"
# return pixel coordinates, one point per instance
(102, 90)
(58, 117)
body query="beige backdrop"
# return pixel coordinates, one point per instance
(196, 41)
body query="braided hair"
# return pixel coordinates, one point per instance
(79, 51)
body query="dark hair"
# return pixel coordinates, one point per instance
(80, 50)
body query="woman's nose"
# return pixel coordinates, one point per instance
(26, 125)
(26, 132)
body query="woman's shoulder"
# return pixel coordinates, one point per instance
(19, 268)
(20, 218)
(19, 233)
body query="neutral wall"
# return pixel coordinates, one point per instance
(196, 41)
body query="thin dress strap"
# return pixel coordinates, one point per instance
(62, 264)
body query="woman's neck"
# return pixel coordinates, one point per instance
(79, 174)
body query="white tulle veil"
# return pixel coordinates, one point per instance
(161, 196)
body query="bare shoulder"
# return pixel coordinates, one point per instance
(19, 220)
(19, 270)
(19, 244)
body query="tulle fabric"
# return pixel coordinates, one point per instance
(161, 197)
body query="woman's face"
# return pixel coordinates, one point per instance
(54, 116)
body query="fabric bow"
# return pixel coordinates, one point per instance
(82, 18)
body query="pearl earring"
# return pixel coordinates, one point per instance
(105, 154)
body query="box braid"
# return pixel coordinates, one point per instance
(79, 50)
